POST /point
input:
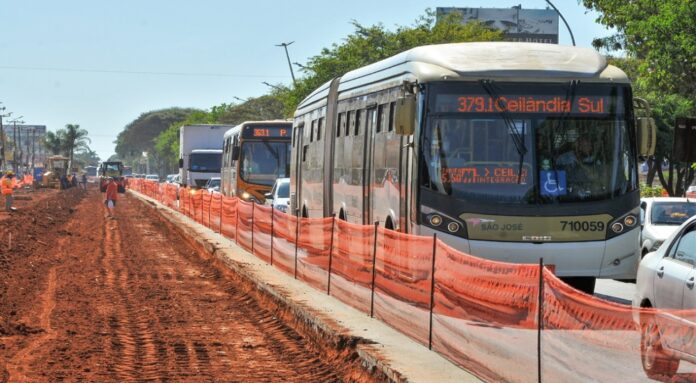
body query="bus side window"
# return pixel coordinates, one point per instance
(378, 126)
(311, 130)
(392, 106)
(357, 121)
(339, 125)
(320, 123)
(348, 119)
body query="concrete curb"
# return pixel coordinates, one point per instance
(381, 349)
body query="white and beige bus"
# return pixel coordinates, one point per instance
(254, 155)
(508, 151)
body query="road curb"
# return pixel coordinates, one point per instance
(382, 351)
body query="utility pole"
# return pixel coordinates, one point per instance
(2, 138)
(14, 143)
(564, 20)
(292, 73)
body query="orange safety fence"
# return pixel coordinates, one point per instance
(263, 219)
(216, 212)
(351, 264)
(284, 234)
(313, 249)
(205, 205)
(244, 225)
(228, 221)
(403, 282)
(482, 315)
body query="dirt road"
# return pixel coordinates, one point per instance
(87, 299)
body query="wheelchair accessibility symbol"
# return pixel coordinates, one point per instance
(553, 183)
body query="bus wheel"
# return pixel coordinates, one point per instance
(584, 284)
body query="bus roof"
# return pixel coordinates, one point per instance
(510, 61)
(238, 128)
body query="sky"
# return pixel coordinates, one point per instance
(101, 64)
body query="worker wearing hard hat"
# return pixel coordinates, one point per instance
(7, 185)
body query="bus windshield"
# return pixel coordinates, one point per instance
(205, 162)
(510, 145)
(262, 162)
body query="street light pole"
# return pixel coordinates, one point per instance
(292, 73)
(564, 21)
(14, 143)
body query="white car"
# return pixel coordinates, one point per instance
(691, 191)
(279, 197)
(213, 185)
(666, 281)
(152, 177)
(660, 217)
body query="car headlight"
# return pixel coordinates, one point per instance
(283, 208)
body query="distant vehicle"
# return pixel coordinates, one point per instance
(691, 192)
(152, 177)
(170, 178)
(660, 217)
(279, 197)
(111, 169)
(91, 172)
(56, 167)
(200, 153)
(213, 185)
(666, 281)
(255, 154)
(127, 171)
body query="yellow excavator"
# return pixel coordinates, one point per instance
(56, 167)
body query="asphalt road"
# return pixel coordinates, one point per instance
(615, 291)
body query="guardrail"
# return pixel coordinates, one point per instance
(503, 322)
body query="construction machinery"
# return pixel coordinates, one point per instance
(111, 169)
(56, 167)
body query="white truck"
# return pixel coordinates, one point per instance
(200, 153)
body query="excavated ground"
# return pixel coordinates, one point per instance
(88, 299)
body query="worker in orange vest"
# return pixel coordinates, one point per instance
(28, 179)
(7, 185)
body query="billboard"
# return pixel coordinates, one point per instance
(517, 24)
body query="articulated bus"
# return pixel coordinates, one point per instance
(508, 151)
(255, 154)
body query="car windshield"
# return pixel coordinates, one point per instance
(527, 152)
(213, 183)
(205, 162)
(264, 162)
(671, 213)
(284, 190)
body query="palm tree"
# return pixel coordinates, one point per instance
(55, 142)
(75, 138)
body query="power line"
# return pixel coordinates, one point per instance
(115, 71)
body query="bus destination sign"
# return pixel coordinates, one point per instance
(485, 174)
(583, 105)
(257, 131)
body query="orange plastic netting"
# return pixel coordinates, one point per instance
(262, 231)
(351, 264)
(216, 212)
(244, 222)
(229, 217)
(313, 250)
(284, 234)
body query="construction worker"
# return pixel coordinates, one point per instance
(8, 184)
(28, 180)
(111, 197)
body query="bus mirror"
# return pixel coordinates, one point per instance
(181, 163)
(235, 153)
(405, 115)
(647, 136)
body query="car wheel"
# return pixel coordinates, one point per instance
(656, 361)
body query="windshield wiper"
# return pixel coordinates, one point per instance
(517, 137)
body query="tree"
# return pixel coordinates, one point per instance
(54, 142)
(660, 38)
(662, 34)
(370, 44)
(86, 157)
(75, 138)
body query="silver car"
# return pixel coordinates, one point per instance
(666, 280)
(279, 197)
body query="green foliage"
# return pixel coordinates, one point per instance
(369, 44)
(138, 135)
(166, 144)
(659, 33)
(650, 191)
(86, 157)
(75, 138)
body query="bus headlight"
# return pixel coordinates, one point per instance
(622, 225)
(439, 221)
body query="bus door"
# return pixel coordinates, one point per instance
(368, 166)
(300, 155)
